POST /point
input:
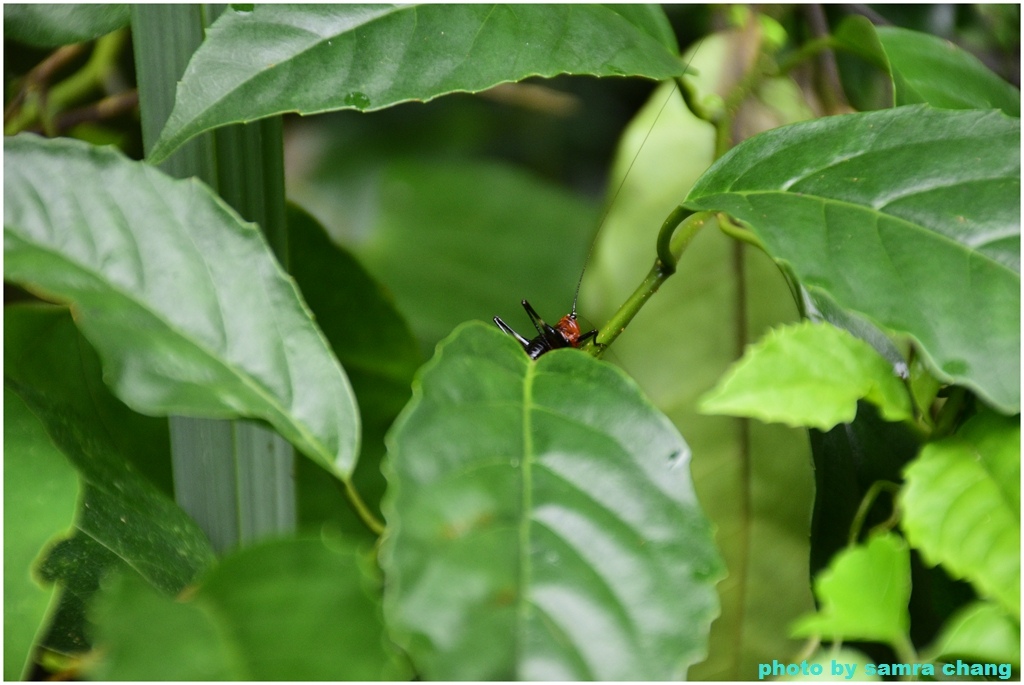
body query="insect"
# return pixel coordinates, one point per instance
(566, 333)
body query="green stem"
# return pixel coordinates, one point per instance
(734, 230)
(865, 506)
(949, 415)
(362, 511)
(671, 245)
(807, 51)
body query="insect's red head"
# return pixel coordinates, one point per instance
(569, 329)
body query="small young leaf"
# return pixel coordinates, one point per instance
(541, 522)
(40, 495)
(908, 216)
(808, 375)
(863, 594)
(961, 506)
(50, 25)
(280, 610)
(319, 58)
(981, 631)
(183, 301)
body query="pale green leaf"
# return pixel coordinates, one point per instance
(980, 631)
(863, 594)
(808, 375)
(961, 506)
(41, 493)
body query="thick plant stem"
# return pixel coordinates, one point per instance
(671, 244)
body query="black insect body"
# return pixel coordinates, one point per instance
(566, 333)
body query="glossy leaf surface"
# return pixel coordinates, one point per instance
(50, 25)
(183, 301)
(281, 610)
(318, 58)
(909, 216)
(808, 375)
(961, 506)
(864, 594)
(40, 496)
(541, 522)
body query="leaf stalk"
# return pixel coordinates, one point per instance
(671, 244)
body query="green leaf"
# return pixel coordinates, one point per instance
(319, 58)
(48, 25)
(808, 375)
(981, 631)
(929, 69)
(123, 522)
(375, 346)
(541, 522)
(40, 496)
(909, 216)
(961, 506)
(281, 610)
(183, 301)
(863, 594)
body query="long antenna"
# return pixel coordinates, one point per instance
(608, 208)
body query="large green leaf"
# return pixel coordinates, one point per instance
(961, 506)
(864, 594)
(40, 496)
(123, 522)
(281, 610)
(542, 523)
(316, 58)
(909, 216)
(808, 375)
(50, 25)
(183, 301)
(753, 480)
(926, 68)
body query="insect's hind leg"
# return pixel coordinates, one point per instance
(508, 330)
(540, 324)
